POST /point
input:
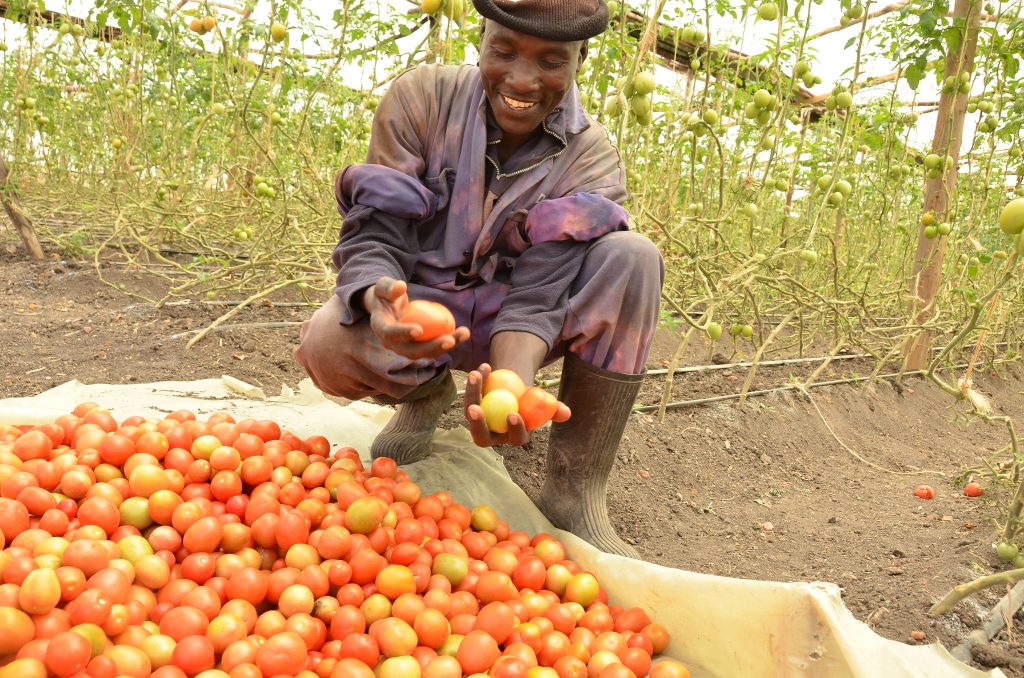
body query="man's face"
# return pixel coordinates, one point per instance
(525, 77)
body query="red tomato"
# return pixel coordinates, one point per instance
(68, 653)
(434, 319)
(537, 407)
(193, 654)
(282, 653)
(973, 489)
(477, 652)
(924, 492)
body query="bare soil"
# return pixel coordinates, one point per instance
(779, 488)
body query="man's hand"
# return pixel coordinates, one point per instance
(385, 302)
(484, 437)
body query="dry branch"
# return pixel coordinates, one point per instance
(866, 17)
(17, 215)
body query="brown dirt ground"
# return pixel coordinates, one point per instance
(760, 491)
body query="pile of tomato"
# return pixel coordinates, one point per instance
(232, 549)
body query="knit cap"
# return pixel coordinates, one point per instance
(563, 20)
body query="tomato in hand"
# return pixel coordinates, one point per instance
(497, 405)
(537, 407)
(434, 318)
(506, 379)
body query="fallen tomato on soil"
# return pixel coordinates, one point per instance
(924, 492)
(973, 490)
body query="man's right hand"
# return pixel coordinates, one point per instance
(386, 302)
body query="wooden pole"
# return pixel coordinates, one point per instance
(18, 217)
(949, 128)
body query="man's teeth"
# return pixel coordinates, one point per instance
(515, 103)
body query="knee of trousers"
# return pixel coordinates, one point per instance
(632, 256)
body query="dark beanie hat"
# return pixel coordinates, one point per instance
(565, 20)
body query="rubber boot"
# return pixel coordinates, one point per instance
(582, 450)
(406, 437)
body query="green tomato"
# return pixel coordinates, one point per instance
(844, 187)
(736, 329)
(802, 68)
(747, 331)
(710, 116)
(824, 181)
(943, 228)
(750, 210)
(642, 105)
(844, 100)
(768, 11)
(643, 83)
(135, 547)
(613, 106)
(808, 256)
(1011, 218)
(763, 98)
(930, 232)
(932, 161)
(835, 199)
(1007, 551)
(714, 330)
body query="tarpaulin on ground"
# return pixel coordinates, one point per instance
(720, 627)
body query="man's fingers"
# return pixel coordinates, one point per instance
(517, 433)
(390, 289)
(477, 426)
(562, 413)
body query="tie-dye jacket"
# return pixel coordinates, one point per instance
(421, 209)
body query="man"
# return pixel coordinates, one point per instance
(489, 189)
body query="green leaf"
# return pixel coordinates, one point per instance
(929, 20)
(914, 76)
(952, 37)
(1011, 65)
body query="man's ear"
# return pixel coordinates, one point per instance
(583, 55)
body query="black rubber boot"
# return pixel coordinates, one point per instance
(582, 450)
(406, 437)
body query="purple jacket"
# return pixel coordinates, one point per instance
(420, 208)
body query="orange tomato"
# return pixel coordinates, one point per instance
(537, 407)
(434, 319)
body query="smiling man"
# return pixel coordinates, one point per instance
(490, 190)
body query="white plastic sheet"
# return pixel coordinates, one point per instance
(720, 627)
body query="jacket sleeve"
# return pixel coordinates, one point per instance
(382, 201)
(588, 202)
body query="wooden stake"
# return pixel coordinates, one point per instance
(17, 215)
(949, 129)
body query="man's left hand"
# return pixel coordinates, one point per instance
(484, 437)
